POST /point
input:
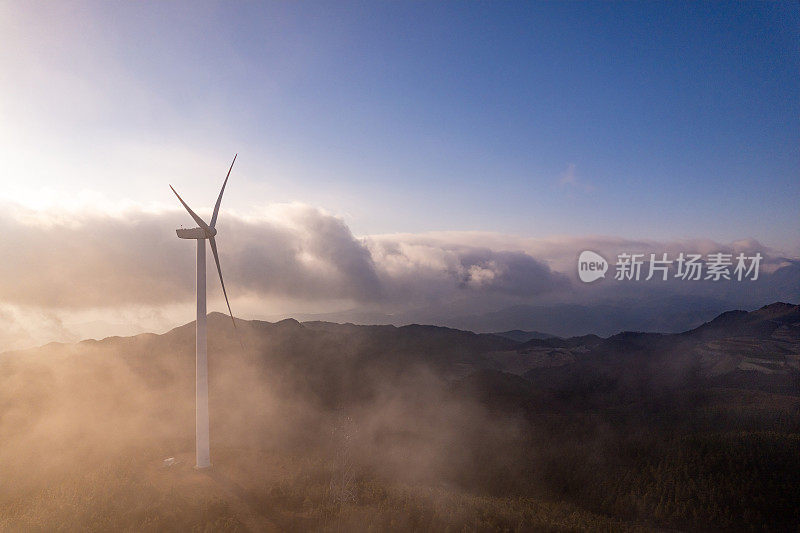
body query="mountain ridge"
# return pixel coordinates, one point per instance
(770, 316)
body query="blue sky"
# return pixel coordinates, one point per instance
(643, 120)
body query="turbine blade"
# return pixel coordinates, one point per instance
(219, 270)
(189, 209)
(219, 199)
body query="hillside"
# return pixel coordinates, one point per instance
(320, 426)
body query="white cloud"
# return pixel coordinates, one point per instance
(68, 264)
(569, 178)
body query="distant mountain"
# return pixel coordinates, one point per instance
(755, 350)
(760, 323)
(665, 315)
(759, 349)
(649, 306)
(523, 336)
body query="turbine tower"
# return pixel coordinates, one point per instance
(202, 233)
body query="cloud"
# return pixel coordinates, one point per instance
(303, 252)
(569, 178)
(21, 327)
(66, 269)
(99, 259)
(418, 268)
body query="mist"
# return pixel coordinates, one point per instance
(77, 417)
(318, 426)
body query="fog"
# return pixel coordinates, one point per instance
(331, 427)
(99, 415)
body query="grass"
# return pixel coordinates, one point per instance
(247, 490)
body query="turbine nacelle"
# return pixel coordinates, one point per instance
(196, 233)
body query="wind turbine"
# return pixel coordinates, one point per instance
(201, 234)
